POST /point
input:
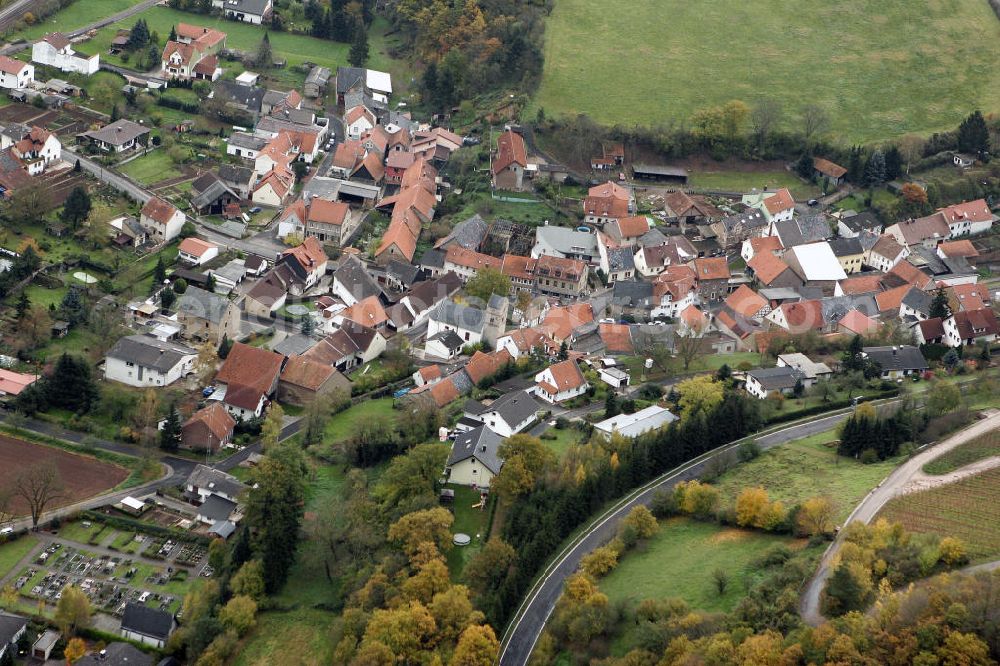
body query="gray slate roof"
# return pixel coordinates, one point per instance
(621, 259)
(147, 621)
(904, 357)
(632, 294)
(203, 304)
(862, 221)
(117, 654)
(844, 247)
(467, 233)
(563, 240)
(245, 141)
(149, 352)
(432, 259)
(230, 173)
(10, 626)
(249, 97)
(835, 307)
(215, 480)
(778, 378)
(352, 274)
(460, 316)
(918, 300)
(247, 6)
(515, 407)
(450, 339)
(217, 508)
(295, 345)
(481, 444)
(118, 133)
(211, 193)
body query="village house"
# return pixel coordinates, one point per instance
(896, 361)
(886, 253)
(207, 316)
(358, 121)
(55, 50)
(812, 370)
(560, 382)
(559, 276)
(969, 218)
(328, 221)
(927, 231)
(970, 327)
(824, 169)
(302, 380)
(752, 246)
(15, 74)
(349, 347)
(195, 251)
(468, 323)
(194, 55)
(208, 429)
(143, 360)
(738, 228)
(147, 625)
(247, 11)
(775, 206)
(12, 629)
(473, 460)
(682, 209)
(816, 264)
(35, 147)
(247, 379)
(631, 426)
(566, 243)
(412, 207)
(510, 162)
(162, 219)
(606, 202)
(712, 275)
(352, 283)
(849, 252)
(761, 382)
(508, 415)
(626, 231)
(119, 136)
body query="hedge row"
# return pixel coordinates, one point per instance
(124, 523)
(828, 406)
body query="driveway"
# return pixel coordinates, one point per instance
(534, 612)
(899, 482)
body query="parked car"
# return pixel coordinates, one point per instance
(255, 209)
(207, 391)
(813, 202)
(471, 141)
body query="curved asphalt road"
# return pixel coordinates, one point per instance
(531, 617)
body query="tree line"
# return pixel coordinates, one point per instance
(546, 502)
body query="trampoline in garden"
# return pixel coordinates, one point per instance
(461, 539)
(85, 278)
(297, 310)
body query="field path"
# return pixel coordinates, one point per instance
(924, 481)
(895, 484)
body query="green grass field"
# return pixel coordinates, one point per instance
(968, 509)
(679, 561)
(880, 69)
(12, 552)
(151, 168)
(77, 15)
(342, 425)
(805, 468)
(984, 446)
(744, 181)
(564, 438)
(296, 638)
(468, 520)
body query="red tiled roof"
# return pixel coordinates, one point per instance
(633, 226)
(972, 211)
(358, 112)
(803, 315)
(910, 274)
(693, 317)
(309, 254)
(58, 40)
(328, 212)
(779, 201)
(969, 297)
(367, 312)
(932, 328)
(767, 267)
(887, 246)
(567, 376)
(609, 189)
(746, 302)
(307, 373)
(765, 244)
(444, 392)
(857, 322)
(617, 338)
(430, 372)
(11, 66)
(249, 373)
(861, 284)
(12, 383)
(510, 150)
(560, 267)
(711, 268)
(195, 246)
(605, 207)
(561, 321)
(159, 210)
(976, 323)
(958, 248)
(828, 168)
(891, 299)
(215, 418)
(456, 254)
(348, 154)
(482, 365)
(515, 266)
(526, 339)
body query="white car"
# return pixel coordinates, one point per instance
(6, 531)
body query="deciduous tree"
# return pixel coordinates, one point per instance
(73, 610)
(477, 646)
(816, 516)
(699, 395)
(427, 526)
(240, 614)
(39, 485)
(486, 282)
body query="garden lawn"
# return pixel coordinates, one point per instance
(797, 470)
(342, 425)
(13, 552)
(294, 638)
(968, 509)
(879, 69)
(76, 531)
(744, 181)
(984, 446)
(564, 438)
(77, 15)
(151, 168)
(680, 559)
(468, 520)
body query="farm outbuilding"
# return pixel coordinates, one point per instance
(660, 173)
